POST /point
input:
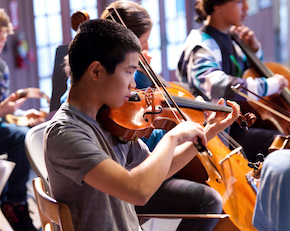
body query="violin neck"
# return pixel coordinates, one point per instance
(199, 105)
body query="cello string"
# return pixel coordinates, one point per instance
(277, 107)
(225, 137)
(236, 89)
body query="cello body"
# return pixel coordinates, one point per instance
(265, 117)
(227, 172)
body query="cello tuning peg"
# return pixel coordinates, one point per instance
(260, 157)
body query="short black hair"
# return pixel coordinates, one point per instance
(100, 40)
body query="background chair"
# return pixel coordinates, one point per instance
(35, 153)
(6, 168)
(51, 210)
(59, 77)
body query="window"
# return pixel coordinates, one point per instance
(48, 32)
(170, 42)
(49, 35)
(90, 6)
(152, 6)
(175, 25)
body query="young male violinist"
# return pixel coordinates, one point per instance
(211, 63)
(99, 178)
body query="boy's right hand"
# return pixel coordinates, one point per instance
(187, 131)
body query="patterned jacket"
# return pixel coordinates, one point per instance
(200, 65)
(4, 80)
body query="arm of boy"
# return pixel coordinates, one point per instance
(173, 152)
(216, 123)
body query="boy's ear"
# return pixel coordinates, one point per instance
(94, 69)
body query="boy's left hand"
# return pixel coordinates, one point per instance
(219, 121)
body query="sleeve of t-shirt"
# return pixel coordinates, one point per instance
(72, 152)
(138, 152)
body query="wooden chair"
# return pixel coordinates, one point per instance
(50, 210)
(35, 155)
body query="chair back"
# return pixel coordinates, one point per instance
(59, 77)
(35, 152)
(6, 168)
(50, 210)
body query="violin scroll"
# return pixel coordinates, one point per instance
(247, 120)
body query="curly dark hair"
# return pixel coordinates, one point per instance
(208, 5)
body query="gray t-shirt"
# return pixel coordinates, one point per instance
(74, 144)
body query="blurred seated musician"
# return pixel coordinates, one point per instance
(13, 198)
(211, 62)
(272, 207)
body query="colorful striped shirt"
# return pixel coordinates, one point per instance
(200, 65)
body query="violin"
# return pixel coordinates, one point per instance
(31, 92)
(147, 110)
(281, 103)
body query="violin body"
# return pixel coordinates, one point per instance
(266, 118)
(137, 119)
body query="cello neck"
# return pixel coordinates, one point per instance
(259, 66)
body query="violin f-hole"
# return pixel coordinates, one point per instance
(152, 113)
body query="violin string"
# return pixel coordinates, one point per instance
(231, 141)
(161, 92)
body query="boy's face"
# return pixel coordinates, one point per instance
(3, 38)
(116, 88)
(234, 12)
